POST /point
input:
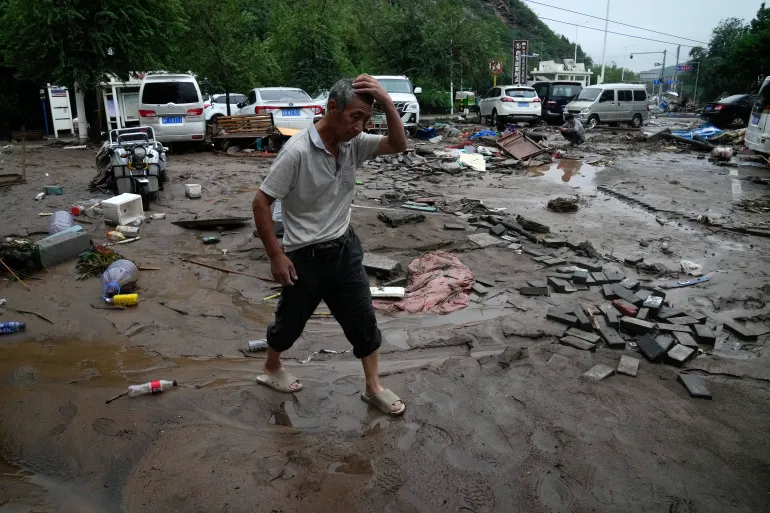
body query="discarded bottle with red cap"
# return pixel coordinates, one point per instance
(153, 387)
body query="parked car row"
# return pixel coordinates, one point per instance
(605, 103)
(174, 107)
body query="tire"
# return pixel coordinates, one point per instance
(493, 118)
(593, 120)
(636, 121)
(738, 121)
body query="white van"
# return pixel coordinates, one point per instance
(758, 131)
(611, 103)
(173, 106)
(400, 90)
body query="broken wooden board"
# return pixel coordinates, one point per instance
(520, 146)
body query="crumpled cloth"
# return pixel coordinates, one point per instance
(438, 282)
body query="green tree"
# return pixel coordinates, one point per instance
(68, 41)
(220, 47)
(736, 59)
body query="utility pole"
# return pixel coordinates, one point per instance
(676, 68)
(451, 82)
(80, 105)
(695, 94)
(662, 71)
(604, 48)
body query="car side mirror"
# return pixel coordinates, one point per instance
(239, 105)
(417, 90)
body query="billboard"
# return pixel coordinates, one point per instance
(520, 50)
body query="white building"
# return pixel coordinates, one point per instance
(569, 70)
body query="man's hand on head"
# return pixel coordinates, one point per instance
(365, 84)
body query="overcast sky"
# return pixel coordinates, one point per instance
(686, 18)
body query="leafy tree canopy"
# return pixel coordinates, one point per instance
(66, 41)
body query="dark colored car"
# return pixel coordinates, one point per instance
(734, 110)
(555, 95)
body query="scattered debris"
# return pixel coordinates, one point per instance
(219, 222)
(563, 204)
(691, 268)
(694, 385)
(599, 372)
(395, 219)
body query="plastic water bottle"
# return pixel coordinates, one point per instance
(60, 221)
(257, 345)
(122, 274)
(277, 211)
(153, 387)
(12, 327)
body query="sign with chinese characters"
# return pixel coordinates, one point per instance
(520, 50)
(684, 67)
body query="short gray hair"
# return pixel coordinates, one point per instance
(343, 93)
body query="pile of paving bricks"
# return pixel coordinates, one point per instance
(632, 314)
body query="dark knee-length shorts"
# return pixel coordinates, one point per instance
(337, 277)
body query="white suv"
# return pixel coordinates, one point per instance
(509, 103)
(400, 90)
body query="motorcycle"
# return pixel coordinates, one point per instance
(137, 162)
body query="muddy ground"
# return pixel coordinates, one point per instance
(483, 432)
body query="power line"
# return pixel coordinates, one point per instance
(618, 23)
(616, 33)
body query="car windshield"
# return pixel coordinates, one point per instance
(272, 95)
(763, 99)
(169, 92)
(395, 85)
(520, 93)
(565, 90)
(589, 94)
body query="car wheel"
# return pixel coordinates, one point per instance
(593, 120)
(636, 121)
(738, 121)
(493, 119)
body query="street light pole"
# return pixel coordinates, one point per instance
(577, 26)
(604, 48)
(625, 59)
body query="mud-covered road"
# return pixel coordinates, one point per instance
(484, 431)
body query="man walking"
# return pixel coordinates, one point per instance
(314, 176)
(573, 130)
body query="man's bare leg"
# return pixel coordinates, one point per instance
(273, 366)
(372, 376)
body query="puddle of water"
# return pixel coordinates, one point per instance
(285, 414)
(575, 173)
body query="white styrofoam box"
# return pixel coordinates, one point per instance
(123, 209)
(192, 190)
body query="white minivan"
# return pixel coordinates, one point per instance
(758, 131)
(611, 103)
(173, 106)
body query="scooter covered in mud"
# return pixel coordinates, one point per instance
(137, 162)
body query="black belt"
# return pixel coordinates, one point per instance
(326, 251)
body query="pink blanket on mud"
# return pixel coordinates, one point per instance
(438, 282)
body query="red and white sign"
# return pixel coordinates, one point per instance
(495, 67)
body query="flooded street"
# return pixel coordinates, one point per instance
(497, 411)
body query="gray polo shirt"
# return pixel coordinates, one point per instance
(315, 190)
